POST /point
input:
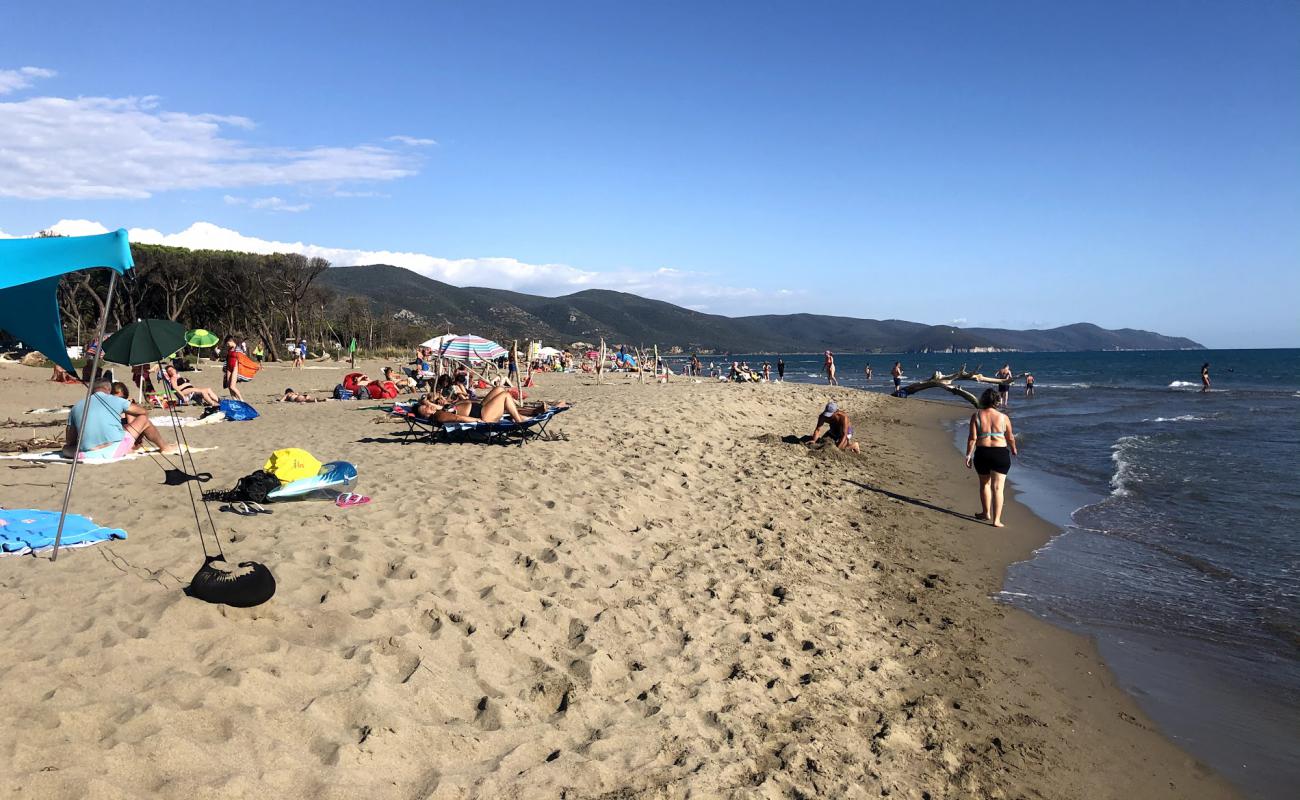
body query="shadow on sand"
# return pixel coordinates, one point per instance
(914, 501)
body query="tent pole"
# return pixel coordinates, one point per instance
(81, 429)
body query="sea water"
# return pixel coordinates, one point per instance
(1178, 549)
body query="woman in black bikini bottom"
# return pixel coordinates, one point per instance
(989, 448)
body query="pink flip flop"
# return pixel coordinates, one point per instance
(349, 499)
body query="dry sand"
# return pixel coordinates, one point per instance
(673, 602)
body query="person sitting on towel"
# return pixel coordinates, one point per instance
(105, 436)
(838, 428)
(187, 390)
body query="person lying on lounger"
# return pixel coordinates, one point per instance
(496, 405)
(105, 436)
(186, 390)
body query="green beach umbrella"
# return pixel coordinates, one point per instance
(145, 342)
(201, 338)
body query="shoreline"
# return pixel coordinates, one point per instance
(666, 600)
(1154, 761)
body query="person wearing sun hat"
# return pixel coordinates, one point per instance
(838, 428)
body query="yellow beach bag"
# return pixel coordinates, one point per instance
(292, 463)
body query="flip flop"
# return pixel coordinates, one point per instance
(349, 499)
(257, 508)
(241, 509)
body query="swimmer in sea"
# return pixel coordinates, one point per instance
(1205, 377)
(1004, 388)
(1029, 384)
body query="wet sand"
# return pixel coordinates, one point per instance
(672, 602)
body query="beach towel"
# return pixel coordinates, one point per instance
(23, 530)
(57, 456)
(246, 367)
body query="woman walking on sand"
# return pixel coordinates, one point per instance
(989, 448)
(829, 367)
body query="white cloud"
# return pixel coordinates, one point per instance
(266, 204)
(412, 141)
(128, 147)
(673, 285)
(11, 80)
(959, 321)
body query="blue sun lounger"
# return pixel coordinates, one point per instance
(502, 431)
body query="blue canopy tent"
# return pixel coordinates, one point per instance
(29, 304)
(29, 279)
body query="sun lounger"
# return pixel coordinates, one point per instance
(502, 431)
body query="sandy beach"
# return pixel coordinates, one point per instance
(669, 601)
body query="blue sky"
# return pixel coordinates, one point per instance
(1006, 163)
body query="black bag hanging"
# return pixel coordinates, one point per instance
(241, 585)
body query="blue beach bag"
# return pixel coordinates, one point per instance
(237, 410)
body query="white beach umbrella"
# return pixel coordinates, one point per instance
(437, 342)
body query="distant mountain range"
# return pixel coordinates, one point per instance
(628, 319)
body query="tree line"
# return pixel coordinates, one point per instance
(264, 299)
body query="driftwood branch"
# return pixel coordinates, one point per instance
(940, 381)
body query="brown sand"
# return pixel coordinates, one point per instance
(671, 603)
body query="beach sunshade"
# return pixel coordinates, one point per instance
(471, 348)
(436, 342)
(145, 342)
(29, 304)
(29, 280)
(201, 338)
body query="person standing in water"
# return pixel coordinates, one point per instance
(989, 448)
(897, 372)
(828, 366)
(780, 369)
(1205, 377)
(1029, 384)
(1004, 388)
(867, 371)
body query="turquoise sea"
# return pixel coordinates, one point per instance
(1178, 549)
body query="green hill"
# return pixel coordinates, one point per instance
(588, 315)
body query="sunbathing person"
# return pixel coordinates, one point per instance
(104, 436)
(402, 382)
(495, 406)
(186, 390)
(290, 396)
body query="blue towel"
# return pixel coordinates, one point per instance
(22, 528)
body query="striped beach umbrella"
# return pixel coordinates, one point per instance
(471, 348)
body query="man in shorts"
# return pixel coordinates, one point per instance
(106, 438)
(838, 428)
